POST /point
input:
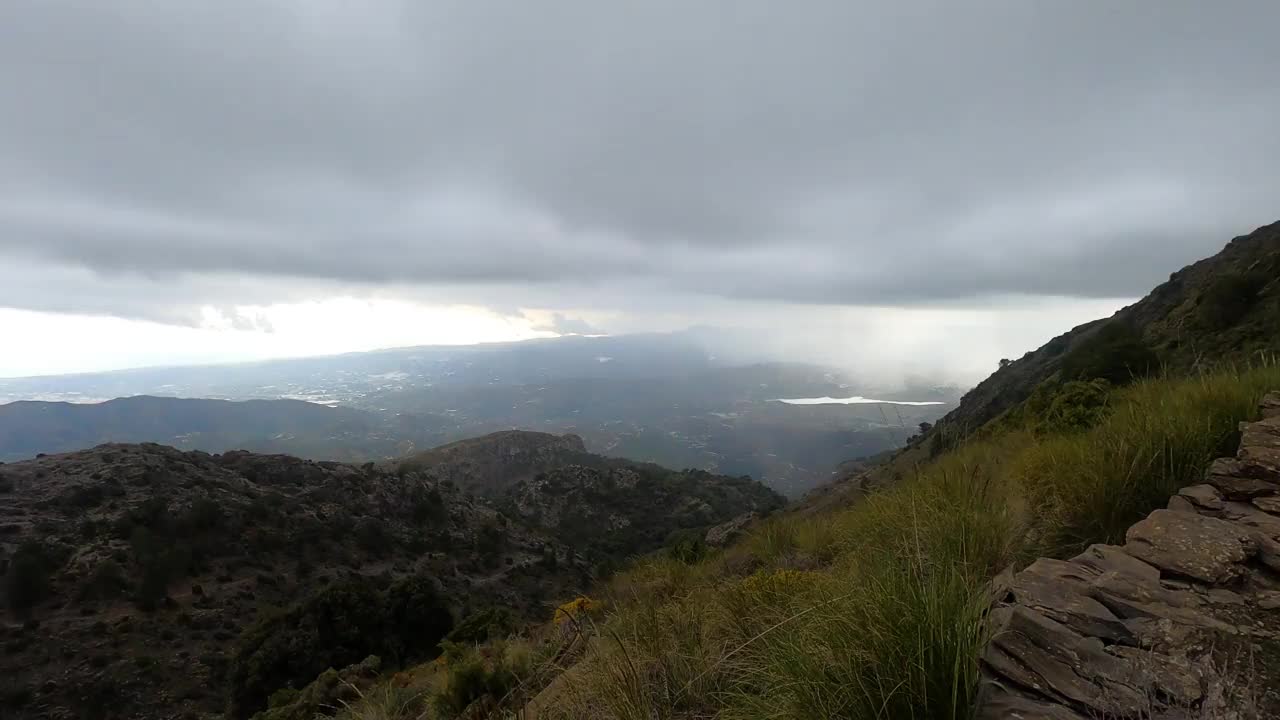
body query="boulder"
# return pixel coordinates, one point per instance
(1202, 496)
(1109, 558)
(1237, 480)
(1035, 652)
(1270, 406)
(1058, 590)
(1193, 546)
(1268, 504)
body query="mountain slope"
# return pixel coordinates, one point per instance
(604, 507)
(491, 464)
(132, 572)
(1221, 310)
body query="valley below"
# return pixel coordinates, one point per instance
(659, 398)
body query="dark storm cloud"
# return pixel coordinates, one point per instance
(827, 152)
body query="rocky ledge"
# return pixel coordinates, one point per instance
(1183, 621)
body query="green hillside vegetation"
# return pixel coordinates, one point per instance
(875, 610)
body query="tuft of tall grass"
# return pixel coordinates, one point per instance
(387, 702)
(1160, 435)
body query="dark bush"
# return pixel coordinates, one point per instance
(687, 546)
(336, 627)
(426, 506)
(1230, 296)
(1114, 353)
(27, 579)
(1077, 405)
(205, 515)
(83, 497)
(372, 537)
(482, 625)
(472, 677)
(106, 582)
(490, 542)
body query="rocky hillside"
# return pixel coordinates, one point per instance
(492, 464)
(603, 507)
(133, 572)
(1180, 622)
(1221, 310)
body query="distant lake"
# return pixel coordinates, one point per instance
(855, 400)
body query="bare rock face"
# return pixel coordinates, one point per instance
(1271, 406)
(1193, 546)
(724, 533)
(1183, 621)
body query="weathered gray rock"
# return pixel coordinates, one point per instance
(1057, 590)
(1268, 504)
(1237, 480)
(1041, 654)
(1250, 516)
(1194, 546)
(998, 702)
(1271, 406)
(1202, 496)
(1103, 559)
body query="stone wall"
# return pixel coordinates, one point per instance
(1183, 621)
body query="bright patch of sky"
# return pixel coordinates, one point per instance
(855, 400)
(39, 343)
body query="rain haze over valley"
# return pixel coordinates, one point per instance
(579, 360)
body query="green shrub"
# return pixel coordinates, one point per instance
(1114, 353)
(1075, 406)
(490, 623)
(471, 676)
(687, 546)
(1230, 296)
(387, 702)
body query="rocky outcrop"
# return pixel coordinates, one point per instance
(1183, 621)
(722, 534)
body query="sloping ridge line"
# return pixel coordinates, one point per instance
(1182, 621)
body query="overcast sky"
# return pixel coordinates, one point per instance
(252, 175)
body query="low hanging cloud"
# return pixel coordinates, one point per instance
(164, 156)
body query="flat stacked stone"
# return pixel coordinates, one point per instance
(1182, 621)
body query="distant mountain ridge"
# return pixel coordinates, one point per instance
(289, 426)
(695, 399)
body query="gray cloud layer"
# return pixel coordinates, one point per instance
(829, 152)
